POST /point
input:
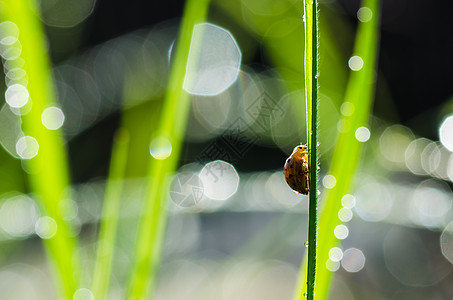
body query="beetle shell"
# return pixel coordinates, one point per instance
(296, 170)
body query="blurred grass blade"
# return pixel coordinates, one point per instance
(110, 214)
(171, 128)
(311, 95)
(346, 154)
(48, 170)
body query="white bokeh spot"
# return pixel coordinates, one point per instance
(214, 61)
(160, 148)
(446, 133)
(362, 134)
(16, 95)
(52, 118)
(355, 63)
(46, 227)
(220, 180)
(27, 147)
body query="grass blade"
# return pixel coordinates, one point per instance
(48, 170)
(110, 213)
(171, 128)
(311, 94)
(359, 94)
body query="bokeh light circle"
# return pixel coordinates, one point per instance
(52, 118)
(341, 232)
(83, 294)
(430, 203)
(355, 63)
(16, 95)
(345, 214)
(446, 133)
(27, 147)
(46, 227)
(329, 181)
(348, 201)
(446, 242)
(160, 148)
(347, 109)
(393, 143)
(332, 266)
(9, 33)
(335, 254)
(353, 260)
(362, 134)
(410, 260)
(18, 215)
(214, 61)
(374, 201)
(220, 180)
(364, 14)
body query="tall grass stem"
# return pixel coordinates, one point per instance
(110, 215)
(48, 170)
(346, 154)
(311, 95)
(172, 127)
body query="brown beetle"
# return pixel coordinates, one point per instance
(296, 170)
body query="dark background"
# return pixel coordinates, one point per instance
(413, 68)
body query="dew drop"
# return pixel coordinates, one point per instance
(305, 295)
(306, 244)
(303, 18)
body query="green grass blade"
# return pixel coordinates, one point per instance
(172, 127)
(311, 94)
(346, 154)
(110, 213)
(48, 170)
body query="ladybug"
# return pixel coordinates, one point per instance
(296, 170)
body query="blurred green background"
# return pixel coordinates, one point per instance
(235, 230)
